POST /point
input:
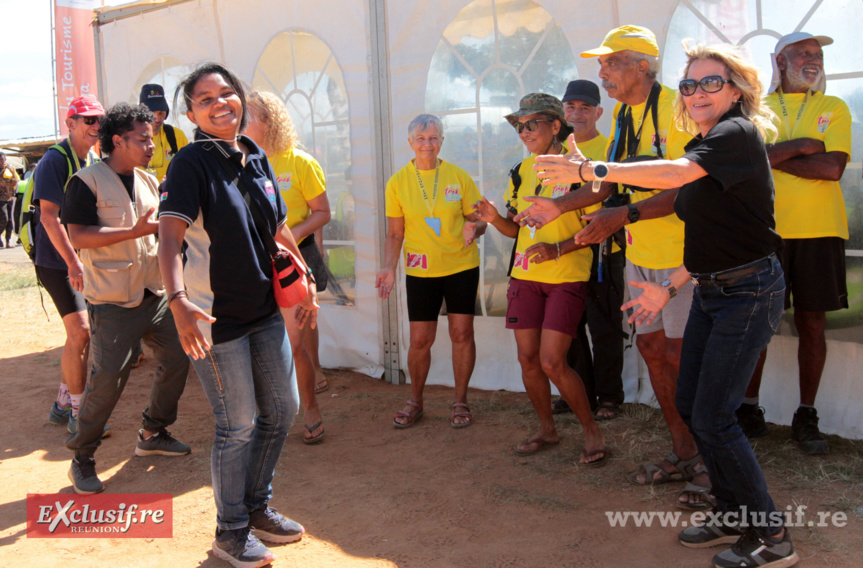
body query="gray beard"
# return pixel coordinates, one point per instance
(797, 80)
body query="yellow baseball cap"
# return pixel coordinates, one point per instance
(635, 38)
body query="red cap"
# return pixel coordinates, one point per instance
(85, 105)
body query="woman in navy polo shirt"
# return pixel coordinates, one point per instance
(227, 318)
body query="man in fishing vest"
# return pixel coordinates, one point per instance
(109, 211)
(808, 160)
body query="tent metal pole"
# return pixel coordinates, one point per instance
(382, 111)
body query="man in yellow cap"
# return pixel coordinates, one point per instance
(644, 129)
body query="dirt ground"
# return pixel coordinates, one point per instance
(371, 495)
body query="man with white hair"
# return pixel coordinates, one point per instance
(808, 160)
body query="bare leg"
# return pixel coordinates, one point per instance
(463, 356)
(553, 348)
(76, 350)
(305, 374)
(310, 341)
(662, 356)
(536, 385)
(755, 383)
(811, 352)
(419, 361)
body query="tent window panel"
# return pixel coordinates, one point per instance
(302, 70)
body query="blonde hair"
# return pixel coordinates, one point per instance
(269, 110)
(742, 74)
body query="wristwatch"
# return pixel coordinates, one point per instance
(600, 172)
(672, 291)
(634, 214)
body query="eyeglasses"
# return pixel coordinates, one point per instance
(531, 125)
(711, 84)
(88, 120)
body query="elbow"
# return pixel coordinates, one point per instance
(836, 173)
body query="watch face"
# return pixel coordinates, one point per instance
(600, 171)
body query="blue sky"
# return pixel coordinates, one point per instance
(26, 95)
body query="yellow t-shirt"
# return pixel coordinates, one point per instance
(426, 253)
(572, 267)
(594, 149)
(656, 243)
(811, 208)
(162, 153)
(301, 179)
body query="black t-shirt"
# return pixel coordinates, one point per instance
(729, 212)
(79, 205)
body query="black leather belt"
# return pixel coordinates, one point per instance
(732, 275)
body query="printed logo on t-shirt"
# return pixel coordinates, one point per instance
(628, 237)
(271, 192)
(663, 142)
(453, 192)
(164, 196)
(521, 261)
(559, 190)
(417, 260)
(284, 181)
(824, 121)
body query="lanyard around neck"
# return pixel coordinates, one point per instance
(789, 131)
(430, 204)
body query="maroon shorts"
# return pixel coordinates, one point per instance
(536, 305)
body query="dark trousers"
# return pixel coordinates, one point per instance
(7, 223)
(114, 333)
(601, 370)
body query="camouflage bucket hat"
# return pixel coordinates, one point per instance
(535, 103)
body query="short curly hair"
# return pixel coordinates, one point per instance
(269, 110)
(120, 119)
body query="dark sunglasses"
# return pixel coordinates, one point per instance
(530, 125)
(88, 120)
(711, 84)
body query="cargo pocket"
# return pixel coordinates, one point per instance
(110, 213)
(111, 280)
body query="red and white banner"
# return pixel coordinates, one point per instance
(107, 515)
(75, 53)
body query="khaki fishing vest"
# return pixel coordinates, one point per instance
(119, 273)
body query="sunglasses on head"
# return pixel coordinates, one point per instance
(711, 84)
(88, 120)
(530, 125)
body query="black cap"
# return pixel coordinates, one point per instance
(582, 90)
(153, 96)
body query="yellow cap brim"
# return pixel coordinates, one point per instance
(601, 50)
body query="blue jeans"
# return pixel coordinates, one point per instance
(252, 388)
(728, 327)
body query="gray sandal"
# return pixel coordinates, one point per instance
(686, 471)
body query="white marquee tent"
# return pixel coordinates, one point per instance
(355, 72)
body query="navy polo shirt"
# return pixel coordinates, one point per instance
(52, 172)
(227, 270)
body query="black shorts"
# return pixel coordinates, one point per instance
(426, 295)
(312, 256)
(56, 282)
(815, 274)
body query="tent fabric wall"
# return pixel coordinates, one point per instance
(351, 337)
